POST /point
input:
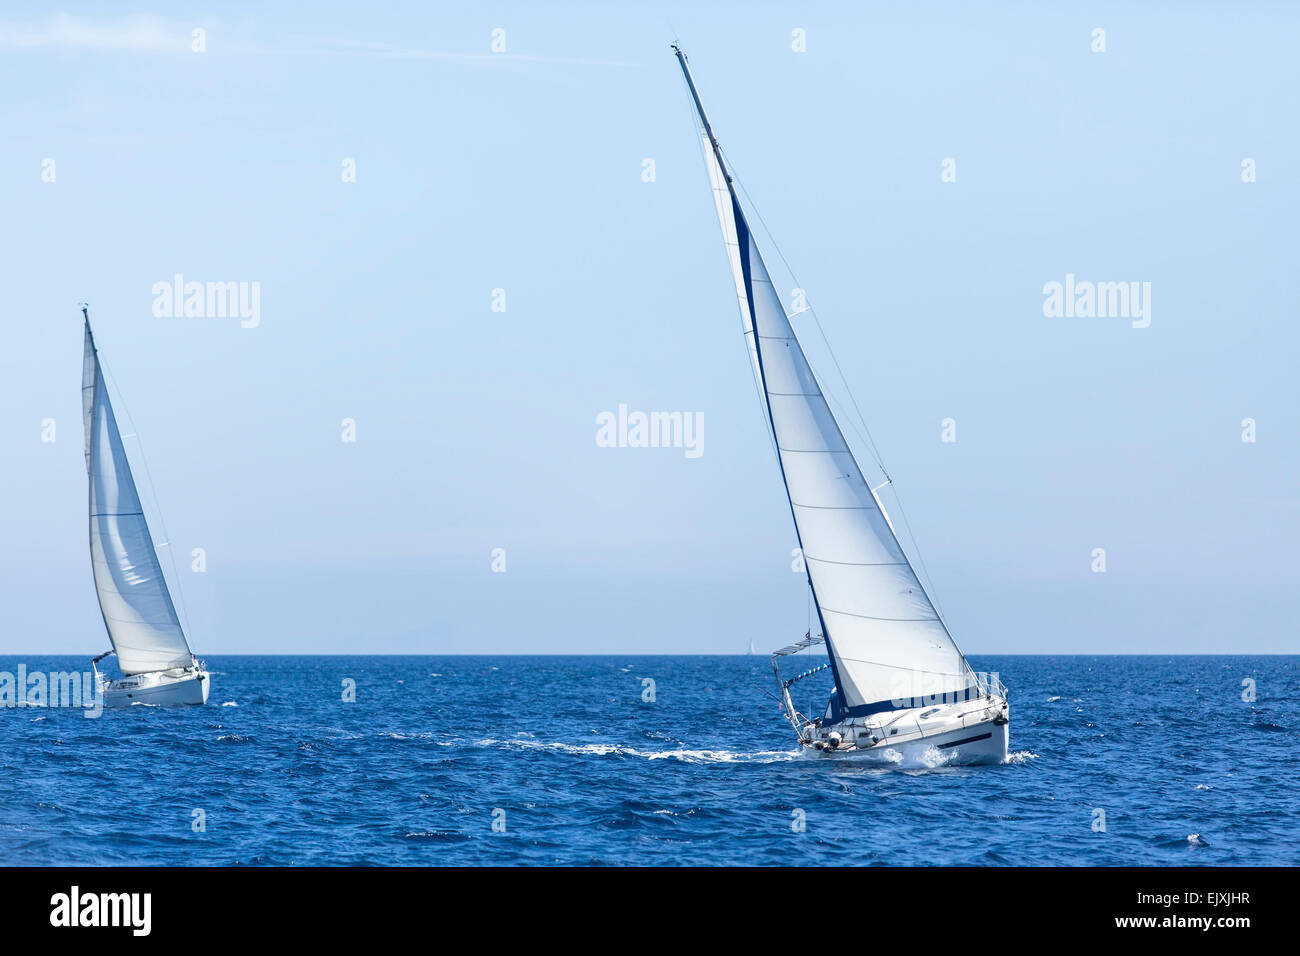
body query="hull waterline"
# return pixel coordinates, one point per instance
(969, 733)
(159, 688)
(982, 745)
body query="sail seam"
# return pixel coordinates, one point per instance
(857, 564)
(892, 620)
(901, 667)
(165, 625)
(798, 504)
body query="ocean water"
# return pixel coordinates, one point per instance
(581, 770)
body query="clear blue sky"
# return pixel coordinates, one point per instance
(523, 171)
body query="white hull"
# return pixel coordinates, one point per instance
(962, 734)
(187, 685)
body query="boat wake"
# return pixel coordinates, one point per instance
(684, 755)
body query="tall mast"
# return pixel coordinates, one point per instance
(742, 228)
(884, 637)
(704, 119)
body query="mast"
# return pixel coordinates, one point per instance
(88, 412)
(885, 640)
(699, 107)
(742, 228)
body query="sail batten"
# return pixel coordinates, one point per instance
(133, 597)
(887, 644)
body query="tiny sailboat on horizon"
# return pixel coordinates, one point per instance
(153, 654)
(902, 688)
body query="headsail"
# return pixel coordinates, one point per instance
(133, 595)
(887, 645)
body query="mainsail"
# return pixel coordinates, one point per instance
(888, 647)
(133, 595)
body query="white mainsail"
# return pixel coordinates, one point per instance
(133, 595)
(887, 645)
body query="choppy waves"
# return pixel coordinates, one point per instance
(503, 761)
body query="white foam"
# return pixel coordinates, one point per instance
(684, 755)
(911, 758)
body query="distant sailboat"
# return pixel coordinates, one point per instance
(902, 687)
(752, 648)
(157, 664)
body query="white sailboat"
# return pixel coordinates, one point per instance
(157, 664)
(902, 690)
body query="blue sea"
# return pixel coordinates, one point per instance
(576, 768)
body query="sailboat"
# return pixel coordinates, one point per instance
(153, 655)
(902, 689)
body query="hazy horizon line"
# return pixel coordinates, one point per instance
(682, 654)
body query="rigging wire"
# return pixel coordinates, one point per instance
(861, 419)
